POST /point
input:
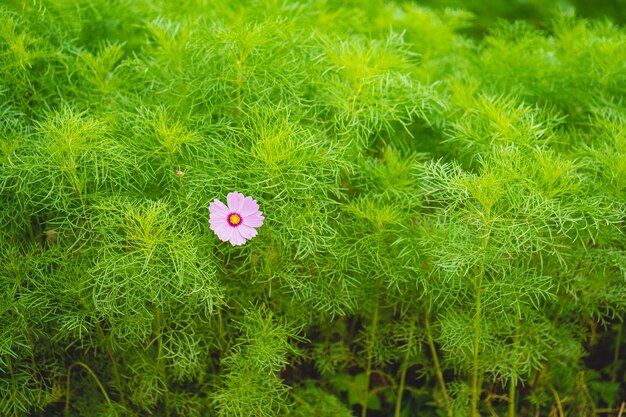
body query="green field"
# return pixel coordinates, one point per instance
(443, 192)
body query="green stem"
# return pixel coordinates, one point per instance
(513, 382)
(557, 400)
(476, 381)
(357, 93)
(161, 362)
(31, 344)
(442, 383)
(114, 364)
(512, 388)
(76, 185)
(33, 362)
(67, 384)
(477, 318)
(401, 387)
(403, 369)
(220, 330)
(12, 376)
(31, 232)
(368, 371)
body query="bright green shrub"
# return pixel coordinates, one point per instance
(444, 215)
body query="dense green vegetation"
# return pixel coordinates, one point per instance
(444, 202)
(536, 12)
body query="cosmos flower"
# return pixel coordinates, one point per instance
(237, 222)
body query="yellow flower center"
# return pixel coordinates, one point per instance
(234, 219)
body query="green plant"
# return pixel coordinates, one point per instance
(444, 215)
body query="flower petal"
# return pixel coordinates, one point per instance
(235, 201)
(236, 239)
(218, 220)
(246, 231)
(223, 231)
(249, 206)
(217, 207)
(254, 220)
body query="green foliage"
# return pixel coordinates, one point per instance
(251, 382)
(444, 214)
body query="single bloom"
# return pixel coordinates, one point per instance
(237, 222)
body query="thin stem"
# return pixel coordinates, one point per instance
(403, 369)
(513, 382)
(75, 183)
(31, 232)
(368, 371)
(31, 344)
(490, 406)
(442, 383)
(512, 389)
(67, 384)
(401, 387)
(33, 362)
(476, 381)
(161, 362)
(221, 342)
(477, 318)
(357, 93)
(114, 364)
(12, 376)
(557, 399)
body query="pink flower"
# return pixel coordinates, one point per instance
(180, 173)
(236, 222)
